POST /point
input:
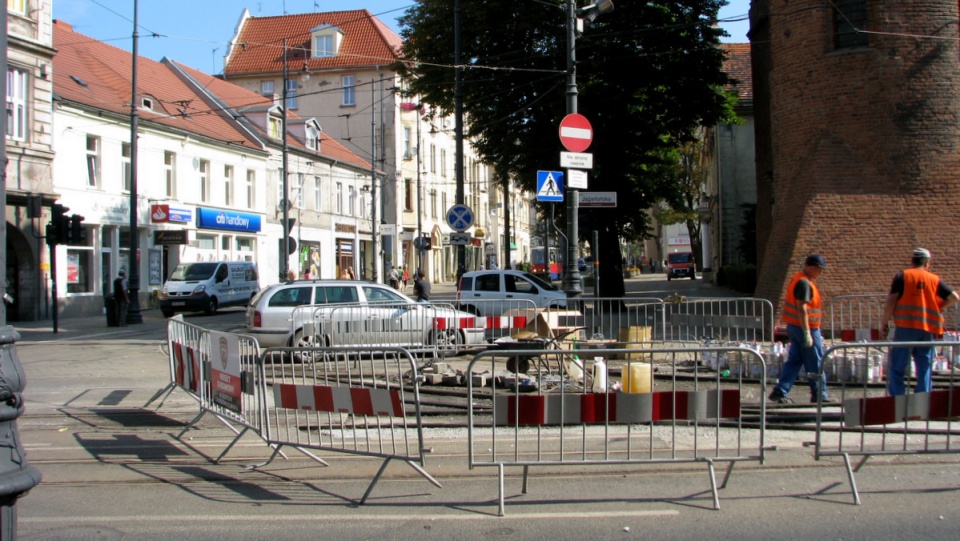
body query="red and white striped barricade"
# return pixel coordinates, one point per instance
(183, 353)
(872, 423)
(604, 319)
(856, 318)
(500, 318)
(356, 400)
(611, 411)
(411, 326)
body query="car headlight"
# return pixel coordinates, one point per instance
(199, 289)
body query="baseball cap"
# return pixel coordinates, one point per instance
(922, 253)
(815, 260)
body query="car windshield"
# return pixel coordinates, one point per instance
(681, 258)
(533, 278)
(193, 271)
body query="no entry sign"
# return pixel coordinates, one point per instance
(576, 134)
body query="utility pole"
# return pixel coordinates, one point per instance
(133, 285)
(458, 129)
(375, 226)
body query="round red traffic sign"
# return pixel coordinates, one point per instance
(576, 133)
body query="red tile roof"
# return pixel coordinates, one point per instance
(239, 98)
(94, 74)
(259, 46)
(737, 66)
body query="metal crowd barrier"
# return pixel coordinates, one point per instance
(726, 319)
(871, 423)
(856, 318)
(361, 401)
(411, 326)
(501, 318)
(562, 413)
(219, 370)
(607, 318)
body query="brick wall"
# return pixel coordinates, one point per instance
(857, 149)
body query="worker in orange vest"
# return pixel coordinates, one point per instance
(802, 312)
(917, 300)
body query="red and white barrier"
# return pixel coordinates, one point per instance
(575, 408)
(932, 406)
(860, 335)
(186, 367)
(350, 400)
(489, 322)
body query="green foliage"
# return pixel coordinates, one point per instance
(648, 74)
(742, 278)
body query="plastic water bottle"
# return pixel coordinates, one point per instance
(599, 375)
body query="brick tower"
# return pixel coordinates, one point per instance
(857, 129)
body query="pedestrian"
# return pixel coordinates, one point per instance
(394, 278)
(121, 297)
(405, 278)
(802, 314)
(421, 287)
(350, 274)
(916, 303)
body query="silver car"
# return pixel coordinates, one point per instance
(304, 313)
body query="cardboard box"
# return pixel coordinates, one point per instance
(550, 323)
(634, 337)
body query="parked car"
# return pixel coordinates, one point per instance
(350, 313)
(479, 291)
(206, 286)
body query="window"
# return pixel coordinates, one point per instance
(313, 138)
(170, 173)
(275, 126)
(249, 191)
(300, 180)
(433, 159)
(16, 105)
(80, 270)
(291, 296)
(849, 21)
(488, 282)
(352, 204)
(228, 185)
(291, 94)
(204, 181)
(339, 196)
(93, 161)
(127, 169)
(316, 193)
(407, 149)
(348, 83)
(433, 203)
(323, 47)
(443, 162)
(17, 6)
(266, 88)
(408, 194)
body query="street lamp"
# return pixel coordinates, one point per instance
(133, 284)
(571, 274)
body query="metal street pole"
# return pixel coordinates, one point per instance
(375, 225)
(419, 200)
(133, 285)
(571, 274)
(284, 181)
(458, 129)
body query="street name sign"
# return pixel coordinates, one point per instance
(598, 199)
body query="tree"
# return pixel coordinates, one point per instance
(683, 175)
(648, 75)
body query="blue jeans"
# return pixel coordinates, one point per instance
(807, 357)
(899, 357)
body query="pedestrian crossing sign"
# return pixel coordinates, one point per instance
(550, 186)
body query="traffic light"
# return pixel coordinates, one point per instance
(58, 230)
(78, 237)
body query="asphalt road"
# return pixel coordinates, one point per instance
(113, 469)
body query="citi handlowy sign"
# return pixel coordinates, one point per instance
(228, 219)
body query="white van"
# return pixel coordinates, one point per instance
(195, 287)
(493, 292)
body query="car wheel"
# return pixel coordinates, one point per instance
(167, 313)
(447, 341)
(211, 307)
(305, 341)
(669, 278)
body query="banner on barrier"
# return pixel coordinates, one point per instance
(225, 370)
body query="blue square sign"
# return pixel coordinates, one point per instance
(550, 186)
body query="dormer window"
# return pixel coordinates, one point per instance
(146, 103)
(313, 138)
(326, 41)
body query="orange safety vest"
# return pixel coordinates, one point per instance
(918, 307)
(793, 309)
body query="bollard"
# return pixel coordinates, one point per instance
(16, 477)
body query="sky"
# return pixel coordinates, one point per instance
(197, 32)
